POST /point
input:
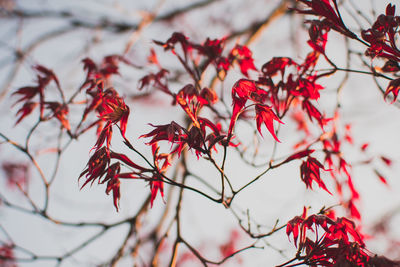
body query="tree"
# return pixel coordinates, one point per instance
(264, 139)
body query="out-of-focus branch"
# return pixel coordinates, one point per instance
(254, 30)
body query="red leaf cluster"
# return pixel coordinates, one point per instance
(99, 166)
(195, 138)
(56, 109)
(336, 242)
(328, 9)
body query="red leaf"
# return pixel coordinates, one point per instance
(27, 93)
(176, 37)
(299, 155)
(96, 166)
(7, 257)
(353, 210)
(386, 160)
(364, 146)
(157, 80)
(172, 132)
(114, 186)
(188, 92)
(60, 111)
(275, 65)
(391, 66)
(104, 136)
(152, 58)
(238, 105)
(293, 226)
(264, 114)
(381, 177)
(25, 110)
(393, 87)
(17, 174)
(207, 97)
(241, 92)
(155, 186)
(243, 89)
(244, 58)
(49, 74)
(313, 112)
(310, 171)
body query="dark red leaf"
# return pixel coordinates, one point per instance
(25, 110)
(310, 172)
(393, 87)
(156, 185)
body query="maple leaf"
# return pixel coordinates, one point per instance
(161, 162)
(353, 210)
(307, 88)
(60, 111)
(391, 66)
(294, 226)
(393, 88)
(27, 93)
(96, 166)
(48, 75)
(171, 132)
(241, 92)
(207, 96)
(157, 80)
(319, 220)
(184, 98)
(313, 112)
(275, 65)
(243, 89)
(114, 186)
(104, 136)
(25, 110)
(176, 37)
(344, 229)
(318, 36)
(113, 183)
(212, 48)
(17, 174)
(340, 243)
(244, 57)
(310, 171)
(381, 36)
(156, 185)
(114, 110)
(152, 58)
(264, 114)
